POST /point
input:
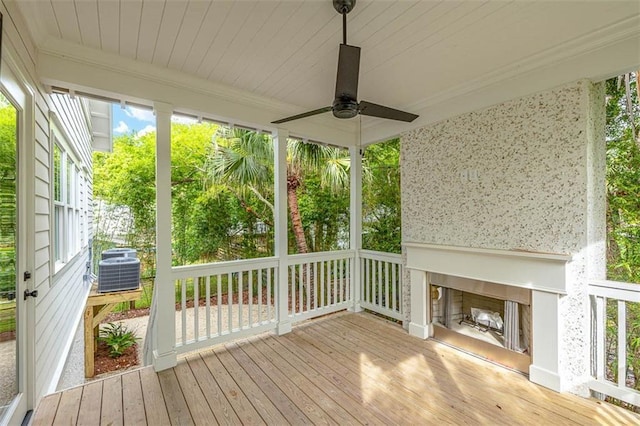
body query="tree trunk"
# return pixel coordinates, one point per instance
(294, 212)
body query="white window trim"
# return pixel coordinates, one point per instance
(71, 209)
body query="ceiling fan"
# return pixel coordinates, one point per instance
(345, 104)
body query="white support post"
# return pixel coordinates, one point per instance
(280, 220)
(164, 355)
(355, 227)
(420, 325)
(545, 328)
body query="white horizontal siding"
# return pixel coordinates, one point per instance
(61, 298)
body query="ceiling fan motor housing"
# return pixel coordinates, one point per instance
(344, 108)
(344, 6)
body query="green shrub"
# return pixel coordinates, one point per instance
(118, 338)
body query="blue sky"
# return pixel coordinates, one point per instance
(137, 121)
(129, 119)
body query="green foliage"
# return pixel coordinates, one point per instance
(8, 181)
(118, 338)
(623, 217)
(381, 227)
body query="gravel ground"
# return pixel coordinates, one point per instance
(73, 373)
(7, 372)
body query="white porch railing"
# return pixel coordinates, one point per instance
(381, 283)
(612, 339)
(219, 302)
(319, 283)
(222, 301)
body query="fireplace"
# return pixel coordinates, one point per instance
(487, 319)
(526, 289)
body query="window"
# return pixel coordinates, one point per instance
(69, 206)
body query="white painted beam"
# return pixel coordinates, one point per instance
(84, 69)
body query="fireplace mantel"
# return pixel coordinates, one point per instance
(545, 274)
(533, 270)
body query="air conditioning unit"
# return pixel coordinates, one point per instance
(118, 274)
(118, 252)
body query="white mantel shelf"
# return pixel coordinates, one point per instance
(533, 270)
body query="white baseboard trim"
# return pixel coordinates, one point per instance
(545, 378)
(283, 328)
(164, 361)
(420, 331)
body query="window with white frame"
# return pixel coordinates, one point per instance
(68, 203)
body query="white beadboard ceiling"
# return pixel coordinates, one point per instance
(415, 54)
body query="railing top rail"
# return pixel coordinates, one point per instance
(382, 256)
(615, 289)
(205, 269)
(296, 259)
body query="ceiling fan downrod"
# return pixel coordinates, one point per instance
(343, 7)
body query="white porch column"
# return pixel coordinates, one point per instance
(164, 355)
(419, 325)
(355, 226)
(280, 220)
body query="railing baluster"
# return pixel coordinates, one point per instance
(379, 283)
(600, 336)
(183, 303)
(292, 296)
(386, 285)
(315, 286)
(340, 280)
(622, 343)
(250, 295)
(322, 283)
(300, 288)
(240, 299)
(394, 287)
(369, 281)
(219, 302)
(308, 286)
(196, 308)
(207, 305)
(260, 296)
(269, 271)
(230, 300)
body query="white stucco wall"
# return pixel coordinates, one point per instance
(540, 169)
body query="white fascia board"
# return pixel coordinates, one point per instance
(598, 56)
(84, 69)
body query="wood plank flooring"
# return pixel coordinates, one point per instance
(343, 369)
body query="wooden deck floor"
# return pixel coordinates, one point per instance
(342, 369)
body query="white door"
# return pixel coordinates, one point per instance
(16, 213)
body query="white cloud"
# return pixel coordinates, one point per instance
(146, 130)
(140, 114)
(122, 128)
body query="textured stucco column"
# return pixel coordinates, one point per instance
(527, 174)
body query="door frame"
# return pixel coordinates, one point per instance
(16, 89)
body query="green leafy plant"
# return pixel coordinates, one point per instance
(118, 338)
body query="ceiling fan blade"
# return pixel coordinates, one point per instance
(303, 115)
(348, 69)
(375, 110)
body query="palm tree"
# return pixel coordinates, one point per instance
(243, 161)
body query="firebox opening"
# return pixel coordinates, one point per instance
(488, 319)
